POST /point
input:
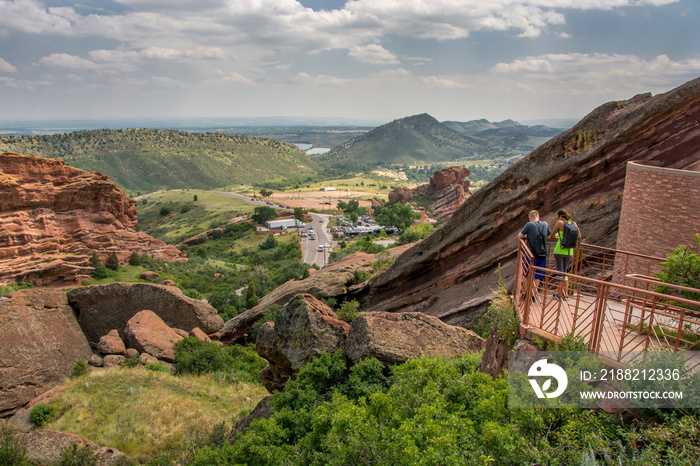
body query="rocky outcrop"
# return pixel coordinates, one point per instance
(147, 333)
(453, 272)
(395, 338)
(336, 280)
(40, 342)
(53, 217)
(447, 190)
(262, 410)
(102, 308)
(305, 328)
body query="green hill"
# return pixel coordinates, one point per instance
(418, 138)
(146, 159)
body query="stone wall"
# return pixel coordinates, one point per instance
(660, 209)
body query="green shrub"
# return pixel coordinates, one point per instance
(79, 368)
(79, 456)
(131, 361)
(164, 211)
(112, 262)
(194, 356)
(7, 289)
(157, 367)
(135, 260)
(348, 310)
(269, 315)
(42, 413)
(13, 449)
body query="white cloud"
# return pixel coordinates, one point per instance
(438, 82)
(373, 54)
(6, 67)
(64, 60)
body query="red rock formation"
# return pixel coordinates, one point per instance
(397, 337)
(453, 273)
(53, 217)
(149, 334)
(40, 342)
(447, 190)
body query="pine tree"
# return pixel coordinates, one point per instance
(251, 299)
(134, 259)
(112, 261)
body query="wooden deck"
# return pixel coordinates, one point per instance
(610, 306)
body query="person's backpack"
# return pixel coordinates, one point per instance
(541, 244)
(570, 236)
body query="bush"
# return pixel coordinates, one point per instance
(80, 368)
(131, 361)
(164, 211)
(348, 310)
(134, 260)
(79, 456)
(269, 243)
(112, 262)
(157, 367)
(42, 414)
(194, 356)
(13, 449)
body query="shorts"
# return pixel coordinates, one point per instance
(562, 263)
(538, 262)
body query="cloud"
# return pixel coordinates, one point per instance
(444, 83)
(64, 60)
(373, 54)
(320, 80)
(6, 67)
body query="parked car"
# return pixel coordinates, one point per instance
(320, 248)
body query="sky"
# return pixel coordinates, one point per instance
(373, 60)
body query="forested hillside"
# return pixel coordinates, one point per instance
(146, 160)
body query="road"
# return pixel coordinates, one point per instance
(309, 248)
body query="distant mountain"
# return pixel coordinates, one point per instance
(477, 126)
(418, 138)
(147, 159)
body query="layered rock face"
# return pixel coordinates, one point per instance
(53, 217)
(448, 190)
(453, 273)
(40, 342)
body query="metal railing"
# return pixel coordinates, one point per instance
(609, 301)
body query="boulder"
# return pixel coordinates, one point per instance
(44, 448)
(132, 353)
(332, 281)
(40, 342)
(102, 308)
(147, 359)
(149, 334)
(112, 360)
(149, 276)
(96, 360)
(397, 337)
(197, 333)
(305, 328)
(262, 410)
(111, 344)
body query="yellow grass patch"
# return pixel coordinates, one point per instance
(143, 413)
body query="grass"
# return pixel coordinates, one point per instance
(146, 413)
(212, 209)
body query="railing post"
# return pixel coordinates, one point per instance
(680, 328)
(598, 318)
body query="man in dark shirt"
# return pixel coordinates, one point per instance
(534, 233)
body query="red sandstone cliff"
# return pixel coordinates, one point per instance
(447, 191)
(452, 274)
(53, 217)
